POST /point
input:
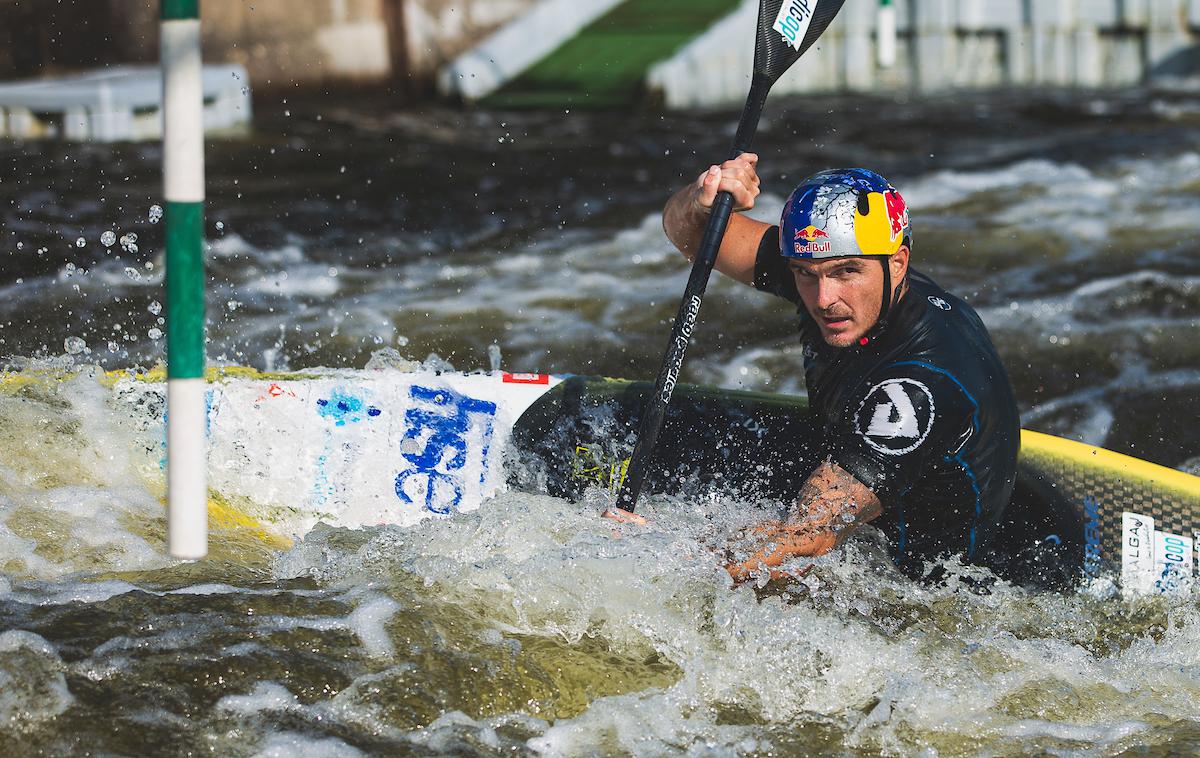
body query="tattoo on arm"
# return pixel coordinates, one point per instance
(831, 504)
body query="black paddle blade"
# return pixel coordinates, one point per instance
(786, 29)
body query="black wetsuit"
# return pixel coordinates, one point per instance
(923, 414)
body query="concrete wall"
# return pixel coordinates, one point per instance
(437, 31)
(280, 42)
(38, 36)
(949, 44)
(286, 42)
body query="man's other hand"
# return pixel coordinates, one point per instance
(623, 516)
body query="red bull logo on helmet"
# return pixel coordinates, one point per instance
(813, 244)
(811, 233)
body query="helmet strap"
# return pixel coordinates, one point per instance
(887, 289)
(889, 301)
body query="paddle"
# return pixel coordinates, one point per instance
(786, 29)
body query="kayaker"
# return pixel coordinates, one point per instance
(918, 422)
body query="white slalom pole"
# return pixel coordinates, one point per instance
(183, 182)
(886, 29)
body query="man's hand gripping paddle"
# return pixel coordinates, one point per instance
(786, 29)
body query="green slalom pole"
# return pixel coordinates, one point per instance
(183, 184)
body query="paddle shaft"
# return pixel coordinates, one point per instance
(689, 309)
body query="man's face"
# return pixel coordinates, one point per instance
(843, 295)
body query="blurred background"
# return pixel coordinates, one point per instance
(675, 51)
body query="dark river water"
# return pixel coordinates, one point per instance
(344, 229)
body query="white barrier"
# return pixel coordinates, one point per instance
(949, 44)
(118, 103)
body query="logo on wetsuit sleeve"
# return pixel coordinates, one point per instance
(895, 417)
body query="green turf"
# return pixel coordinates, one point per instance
(606, 63)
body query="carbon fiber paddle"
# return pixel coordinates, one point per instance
(786, 30)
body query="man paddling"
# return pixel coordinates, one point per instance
(917, 420)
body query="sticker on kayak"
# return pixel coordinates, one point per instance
(525, 378)
(1137, 553)
(793, 21)
(1154, 561)
(444, 451)
(1172, 562)
(590, 466)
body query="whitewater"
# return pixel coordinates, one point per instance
(400, 245)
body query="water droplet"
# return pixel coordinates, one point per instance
(133, 273)
(128, 239)
(220, 226)
(155, 333)
(74, 345)
(108, 239)
(156, 214)
(155, 307)
(113, 346)
(81, 242)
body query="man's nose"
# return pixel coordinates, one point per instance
(827, 293)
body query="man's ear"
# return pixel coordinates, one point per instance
(899, 263)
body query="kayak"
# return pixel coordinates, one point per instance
(1114, 515)
(354, 448)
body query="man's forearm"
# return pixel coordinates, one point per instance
(684, 221)
(831, 504)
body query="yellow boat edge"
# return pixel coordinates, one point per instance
(1034, 444)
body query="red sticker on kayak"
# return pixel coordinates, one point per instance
(526, 378)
